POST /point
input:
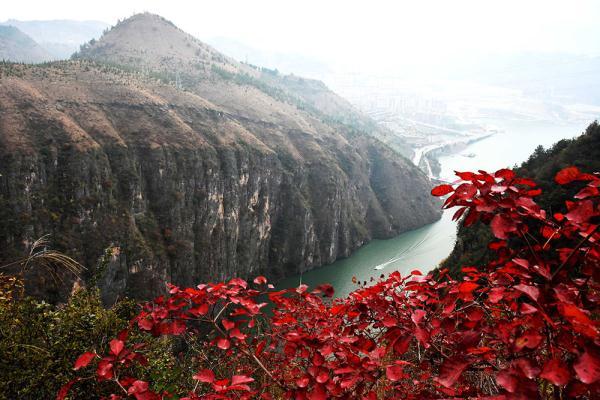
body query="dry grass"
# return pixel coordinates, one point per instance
(52, 261)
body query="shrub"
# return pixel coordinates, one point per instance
(523, 326)
(38, 341)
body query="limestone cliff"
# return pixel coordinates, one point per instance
(192, 183)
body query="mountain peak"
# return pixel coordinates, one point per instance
(147, 19)
(150, 41)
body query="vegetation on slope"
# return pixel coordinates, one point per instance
(523, 326)
(582, 151)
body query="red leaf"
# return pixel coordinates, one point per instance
(501, 226)
(64, 390)
(466, 290)
(496, 294)
(116, 346)
(507, 381)
(451, 370)
(559, 217)
(84, 360)
(588, 191)
(303, 381)
(238, 282)
(465, 191)
(223, 343)
(105, 370)
(556, 372)
(422, 336)
(322, 377)
(318, 393)
(497, 245)
(465, 176)
(205, 375)
(582, 212)
(530, 291)
(506, 174)
(138, 387)
(327, 289)
(530, 339)
(471, 218)
(395, 372)
(418, 316)
(527, 368)
(146, 324)
(240, 379)
(467, 287)
(459, 213)
(202, 309)
(579, 319)
(228, 324)
(260, 280)
(441, 190)
(524, 181)
(567, 175)
(587, 368)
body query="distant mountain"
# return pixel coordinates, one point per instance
(60, 38)
(196, 166)
(18, 47)
(559, 77)
(152, 44)
(283, 62)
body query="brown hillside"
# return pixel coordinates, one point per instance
(221, 177)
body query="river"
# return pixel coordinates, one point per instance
(426, 247)
(514, 144)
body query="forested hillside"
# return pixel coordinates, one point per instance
(542, 166)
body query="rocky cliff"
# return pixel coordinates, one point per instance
(214, 177)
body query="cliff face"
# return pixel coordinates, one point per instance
(188, 189)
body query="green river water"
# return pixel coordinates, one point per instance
(424, 248)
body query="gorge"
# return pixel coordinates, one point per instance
(190, 165)
(425, 248)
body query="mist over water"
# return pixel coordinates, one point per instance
(513, 145)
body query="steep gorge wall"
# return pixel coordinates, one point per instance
(183, 215)
(188, 193)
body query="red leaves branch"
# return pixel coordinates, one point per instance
(523, 326)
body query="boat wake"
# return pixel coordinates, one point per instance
(404, 253)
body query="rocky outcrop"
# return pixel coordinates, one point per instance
(188, 189)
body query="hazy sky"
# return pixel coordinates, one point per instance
(367, 33)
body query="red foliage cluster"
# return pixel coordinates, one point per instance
(524, 326)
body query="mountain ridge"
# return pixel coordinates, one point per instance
(16, 46)
(60, 38)
(201, 179)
